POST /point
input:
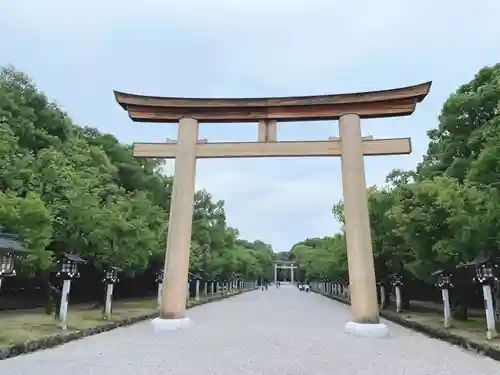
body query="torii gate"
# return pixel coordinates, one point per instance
(284, 264)
(350, 146)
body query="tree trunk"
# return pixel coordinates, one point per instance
(405, 296)
(459, 303)
(49, 300)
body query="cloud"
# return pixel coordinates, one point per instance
(79, 51)
(270, 205)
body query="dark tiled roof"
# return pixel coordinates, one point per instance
(479, 260)
(74, 258)
(10, 243)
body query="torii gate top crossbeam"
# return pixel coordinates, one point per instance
(284, 262)
(373, 104)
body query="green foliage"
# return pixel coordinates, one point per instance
(445, 212)
(69, 189)
(321, 257)
(30, 220)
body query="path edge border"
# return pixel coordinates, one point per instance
(61, 339)
(440, 334)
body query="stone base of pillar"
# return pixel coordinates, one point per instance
(171, 324)
(379, 330)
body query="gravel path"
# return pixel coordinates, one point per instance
(282, 331)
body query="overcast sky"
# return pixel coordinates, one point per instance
(79, 51)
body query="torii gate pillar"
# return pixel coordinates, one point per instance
(362, 282)
(173, 302)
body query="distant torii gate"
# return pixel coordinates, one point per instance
(350, 146)
(284, 264)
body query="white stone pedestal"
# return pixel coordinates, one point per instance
(379, 330)
(170, 324)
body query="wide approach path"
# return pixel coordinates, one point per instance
(281, 331)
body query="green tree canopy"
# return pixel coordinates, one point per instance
(64, 188)
(444, 212)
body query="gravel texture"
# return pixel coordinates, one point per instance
(281, 331)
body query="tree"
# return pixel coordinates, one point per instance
(446, 211)
(64, 188)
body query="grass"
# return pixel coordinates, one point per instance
(474, 328)
(26, 325)
(20, 326)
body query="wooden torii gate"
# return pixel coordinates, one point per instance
(350, 146)
(284, 264)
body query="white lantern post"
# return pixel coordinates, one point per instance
(110, 279)
(159, 281)
(486, 277)
(444, 283)
(397, 283)
(67, 271)
(381, 287)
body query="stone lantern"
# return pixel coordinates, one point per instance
(229, 284)
(345, 289)
(335, 287)
(67, 270)
(325, 285)
(204, 277)
(444, 283)
(110, 279)
(111, 275)
(485, 269)
(210, 285)
(397, 283)
(159, 281)
(194, 277)
(237, 281)
(226, 285)
(215, 285)
(10, 247)
(485, 275)
(382, 284)
(67, 266)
